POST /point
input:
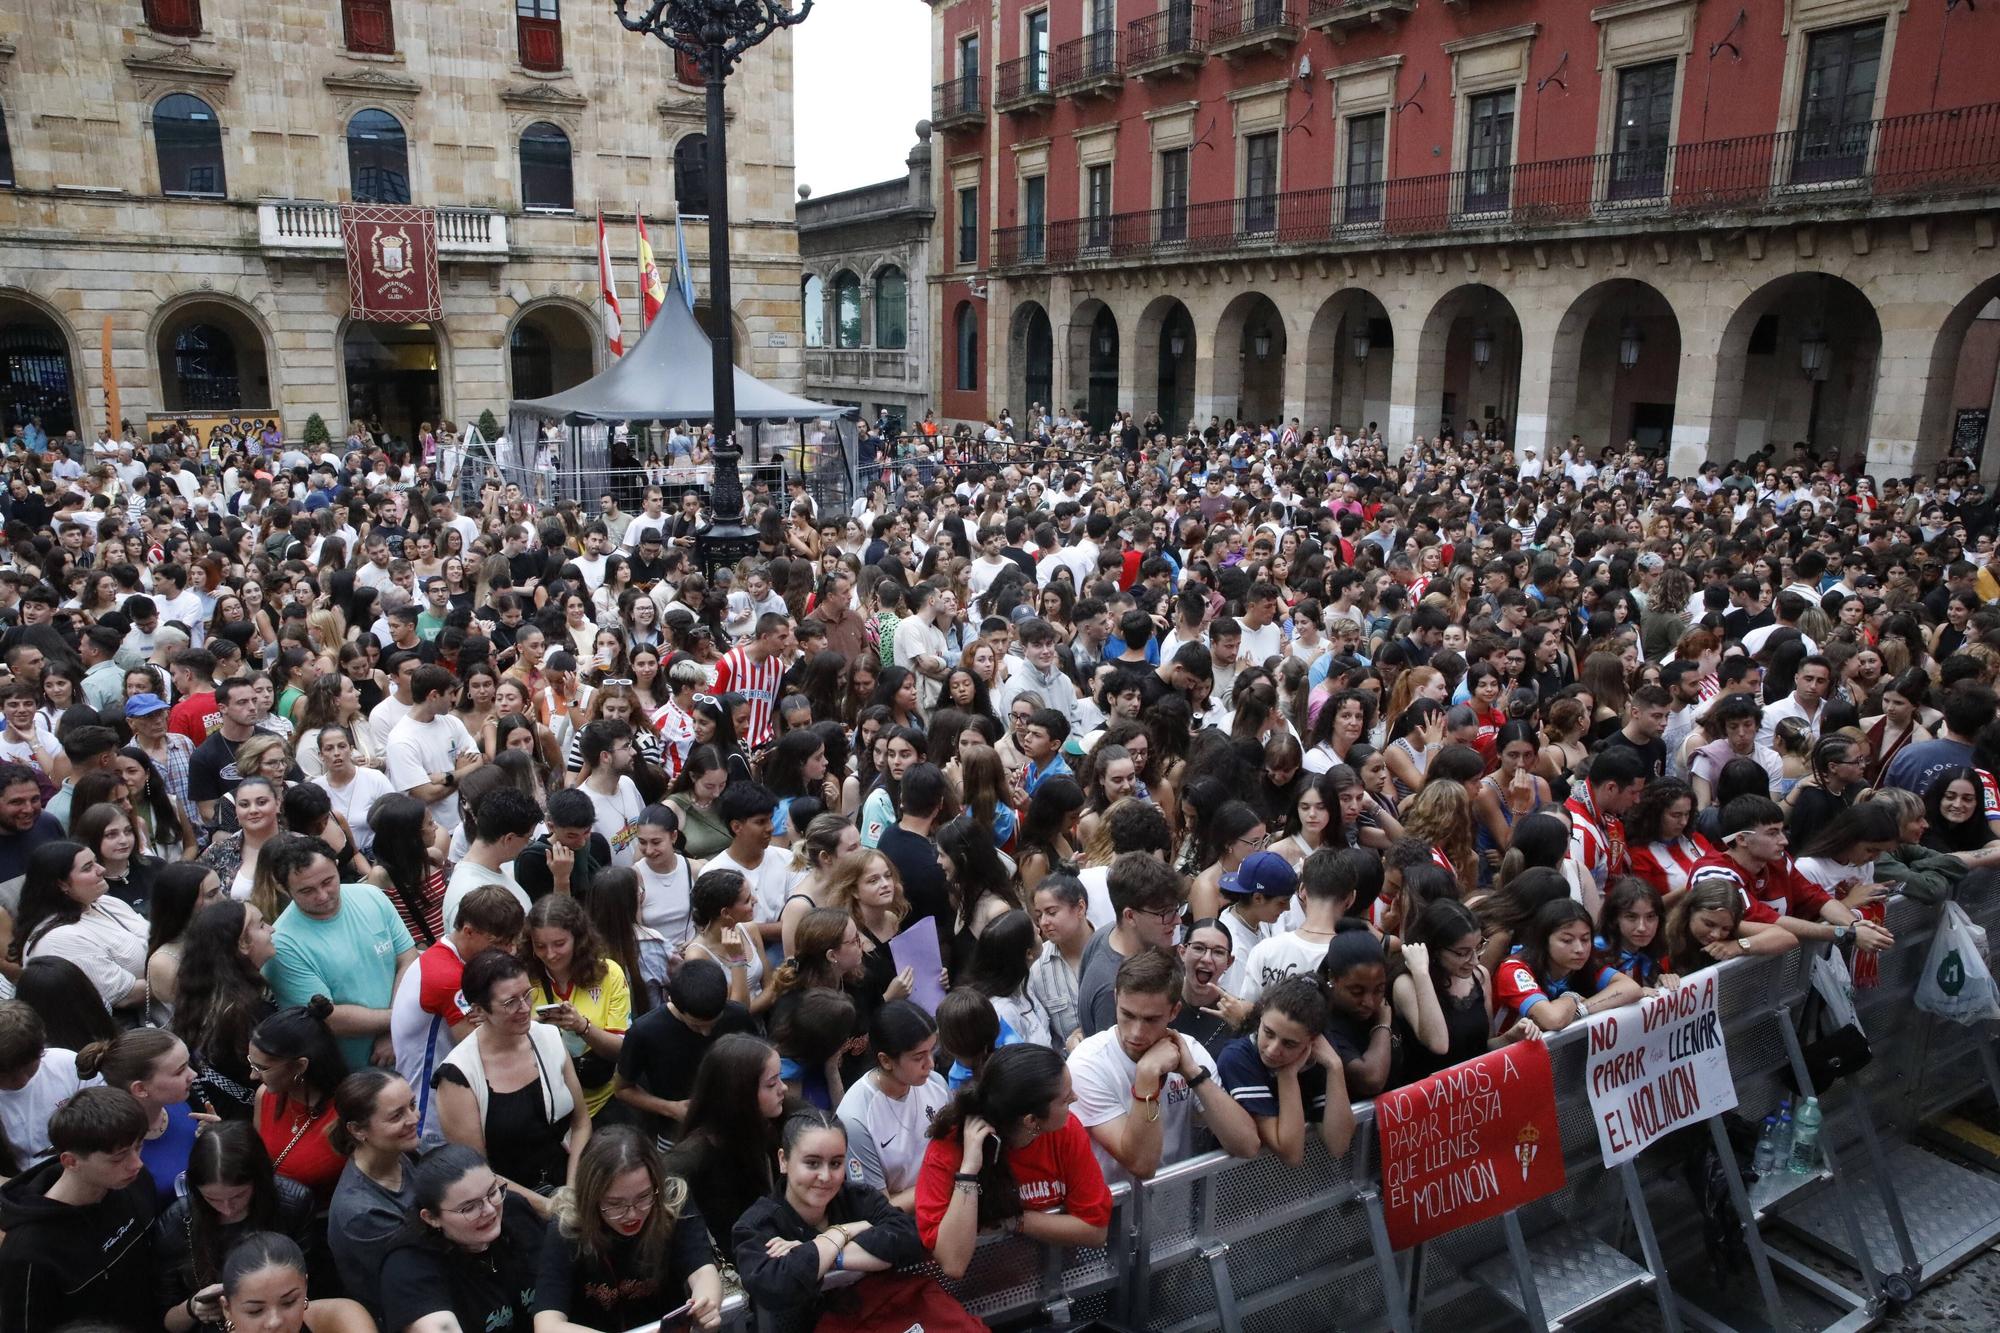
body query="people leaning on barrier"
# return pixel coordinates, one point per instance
(1287, 1075)
(1552, 980)
(1706, 926)
(1774, 892)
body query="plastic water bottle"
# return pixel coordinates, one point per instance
(1766, 1160)
(1784, 1140)
(1805, 1138)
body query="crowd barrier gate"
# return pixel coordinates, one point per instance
(1258, 1246)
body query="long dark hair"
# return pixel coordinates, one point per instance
(70, 1006)
(1016, 1082)
(611, 900)
(1000, 959)
(977, 869)
(156, 801)
(229, 1153)
(1549, 918)
(1943, 836)
(397, 821)
(217, 982)
(301, 1032)
(176, 890)
(43, 903)
(722, 1107)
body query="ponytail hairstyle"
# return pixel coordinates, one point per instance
(354, 1104)
(819, 844)
(127, 1058)
(1538, 840)
(229, 1153)
(807, 1120)
(256, 1252)
(818, 934)
(300, 1032)
(1017, 1085)
(1347, 950)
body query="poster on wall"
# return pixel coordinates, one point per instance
(1657, 1066)
(392, 270)
(1968, 434)
(1476, 1141)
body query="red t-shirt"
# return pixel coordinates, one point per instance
(1779, 890)
(195, 716)
(1057, 1173)
(299, 1146)
(439, 972)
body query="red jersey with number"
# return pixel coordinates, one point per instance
(1778, 890)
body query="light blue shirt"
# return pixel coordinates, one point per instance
(349, 957)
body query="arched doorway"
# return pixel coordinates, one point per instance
(1962, 394)
(1616, 365)
(1469, 363)
(1350, 352)
(212, 359)
(1166, 352)
(1094, 349)
(1805, 347)
(1031, 351)
(551, 348)
(36, 379)
(393, 376)
(1250, 360)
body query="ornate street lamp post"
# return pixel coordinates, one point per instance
(716, 33)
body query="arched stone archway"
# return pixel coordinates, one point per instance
(395, 374)
(1963, 384)
(551, 347)
(1615, 367)
(1250, 342)
(38, 376)
(1094, 349)
(1798, 360)
(212, 356)
(1165, 349)
(1031, 355)
(1469, 363)
(1350, 356)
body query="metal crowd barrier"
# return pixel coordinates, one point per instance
(1258, 1246)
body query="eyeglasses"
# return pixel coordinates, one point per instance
(1169, 916)
(1263, 841)
(1209, 950)
(618, 680)
(513, 1006)
(638, 1207)
(491, 1199)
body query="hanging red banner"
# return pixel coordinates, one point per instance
(392, 269)
(1474, 1142)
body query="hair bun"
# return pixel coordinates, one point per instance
(320, 1007)
(91, 1058)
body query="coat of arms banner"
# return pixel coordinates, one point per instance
(392, 270)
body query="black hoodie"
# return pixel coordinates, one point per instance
(62, 1263)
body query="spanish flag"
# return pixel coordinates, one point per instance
(652, 293)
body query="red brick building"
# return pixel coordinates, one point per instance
(1696, 224)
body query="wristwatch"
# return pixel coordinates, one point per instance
(1199, 1077)
(1842, 934)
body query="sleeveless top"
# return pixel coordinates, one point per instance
(1466, 1026)
(1417, 757)
(1482, 840)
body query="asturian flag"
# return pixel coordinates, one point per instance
(614, 320)
(652, 293)
(683, 275)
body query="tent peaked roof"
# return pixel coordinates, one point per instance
(667, 377)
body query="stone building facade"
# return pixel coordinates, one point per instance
(867, 259)
(176, 166)
(1702, 227)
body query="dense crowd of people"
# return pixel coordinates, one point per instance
(489, 918)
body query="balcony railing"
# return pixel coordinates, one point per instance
(1019, 85)
(303, 225)
(1930, 155)
(1337, 17)
(1088, 64)
(955, 103)
(865, 365)
(1240, 27)
(1176, 38)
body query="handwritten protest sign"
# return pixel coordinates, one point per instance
(1474, 1142)
(1656, 1066)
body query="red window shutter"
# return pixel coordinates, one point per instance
(371, 26)
(540, 43)
(174, 18)
(688, 69)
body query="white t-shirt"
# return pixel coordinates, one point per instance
(887, 1136)
(468, 876)
(770, 881)
(1096, 881)
(384, 719)
(24, 1115)
(665, 904)
(984, 571)
(1261, 645)
(1102, 1075)
(1243, 938)
(617, 816)
(108, 942)
(415, 750)
(355, 800)
(1274, 959)
(1830, 874)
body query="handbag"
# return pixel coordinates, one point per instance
(1832, 1048)
(894, 1303)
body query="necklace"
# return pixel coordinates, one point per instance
(298, 1132)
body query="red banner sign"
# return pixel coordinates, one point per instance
(1474, 1142)
(392, 268)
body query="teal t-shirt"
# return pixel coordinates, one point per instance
(350, 958)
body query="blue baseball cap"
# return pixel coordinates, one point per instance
(1262, 872)
(142, 705)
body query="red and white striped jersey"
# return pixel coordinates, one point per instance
(756, 681)
(1596, 841)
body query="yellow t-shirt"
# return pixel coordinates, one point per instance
(608, 1005)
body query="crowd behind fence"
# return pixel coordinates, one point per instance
(1259, 1246)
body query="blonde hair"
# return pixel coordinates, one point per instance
(1441, 814)
(843, 883)
(251, 754)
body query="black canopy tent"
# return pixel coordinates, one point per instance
(667, 378)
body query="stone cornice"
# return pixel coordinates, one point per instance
(542, 97)
(373, 84)
(177, 65)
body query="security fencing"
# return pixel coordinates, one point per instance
(1259, 1246)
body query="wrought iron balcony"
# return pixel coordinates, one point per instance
(1088, 66)
(1339, 17)
(306, 227)
(956, 104)
(1173, 41)
(1023, 84)
(1242, 28)
(1935, 154)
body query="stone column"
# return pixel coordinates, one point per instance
(1902, 377)
(1404, 372)
(1532, 388)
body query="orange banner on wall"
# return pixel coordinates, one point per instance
(112, 407)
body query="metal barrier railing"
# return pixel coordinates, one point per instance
(1247, 1245)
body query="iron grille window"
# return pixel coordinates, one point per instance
(968, 225)
(1173, 194)
(1837, 107)
(1260, 183)
(1367, 144)
(1489, 151)
(1644, 129)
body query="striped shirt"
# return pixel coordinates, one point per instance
(758, 682)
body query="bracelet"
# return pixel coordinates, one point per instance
(970, 1187)
(187, 1307)
(840, 1259)
(1379, 1027)
(965, 1175)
